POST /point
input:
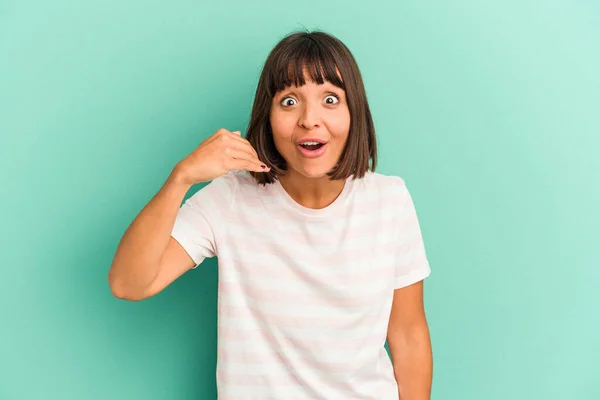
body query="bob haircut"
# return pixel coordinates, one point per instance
(322, 55)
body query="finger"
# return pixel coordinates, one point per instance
(239, 138)
(222, 132)
(219, 134)
(244, 155)
(240, 159)
(225, 135)
(244, 147)
(251, 166)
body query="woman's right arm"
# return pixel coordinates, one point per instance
(148, 259)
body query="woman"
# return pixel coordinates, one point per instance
(320, 258)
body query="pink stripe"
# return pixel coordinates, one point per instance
(339, 343)
(293, 321)
(328, 299)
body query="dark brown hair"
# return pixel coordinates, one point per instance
(323, 55)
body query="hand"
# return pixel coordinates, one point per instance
(222, 152)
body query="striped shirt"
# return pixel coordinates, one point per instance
(304, 295)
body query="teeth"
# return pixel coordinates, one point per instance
(309, 143)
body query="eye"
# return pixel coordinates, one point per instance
(288, 101)
(332, 99)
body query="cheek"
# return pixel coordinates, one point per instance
(339, 126)
(282, 126)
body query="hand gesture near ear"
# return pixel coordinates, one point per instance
(222, 152)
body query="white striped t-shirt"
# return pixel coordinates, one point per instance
(304, 295)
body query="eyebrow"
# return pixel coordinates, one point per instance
(332, 89)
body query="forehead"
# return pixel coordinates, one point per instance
(310, 84)
(298, 73)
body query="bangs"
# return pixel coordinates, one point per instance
(318, 57)
(298, 58)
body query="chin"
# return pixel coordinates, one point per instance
(313, 173)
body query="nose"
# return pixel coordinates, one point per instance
(309, 116)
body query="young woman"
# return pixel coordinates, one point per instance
(320, 258)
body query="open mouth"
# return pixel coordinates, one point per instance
(311, 145)
(312, 148)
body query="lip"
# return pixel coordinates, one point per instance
(309, 139)
(312, 153)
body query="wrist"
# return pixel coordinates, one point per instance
(178, 177)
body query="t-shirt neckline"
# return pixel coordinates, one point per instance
(312, 212)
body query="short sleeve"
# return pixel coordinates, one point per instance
(412, 264)
(202, 215)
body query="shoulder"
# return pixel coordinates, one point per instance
(390, 192)
(385, 185)
(231, 182)
(218, 193)
(241, 179)
(232, 187)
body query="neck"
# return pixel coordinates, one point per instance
(315, 193)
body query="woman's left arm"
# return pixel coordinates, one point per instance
(409, 343)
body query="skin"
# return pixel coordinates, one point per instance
(148, 259)
(321, 111)
(315, 111)
(410, 344)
